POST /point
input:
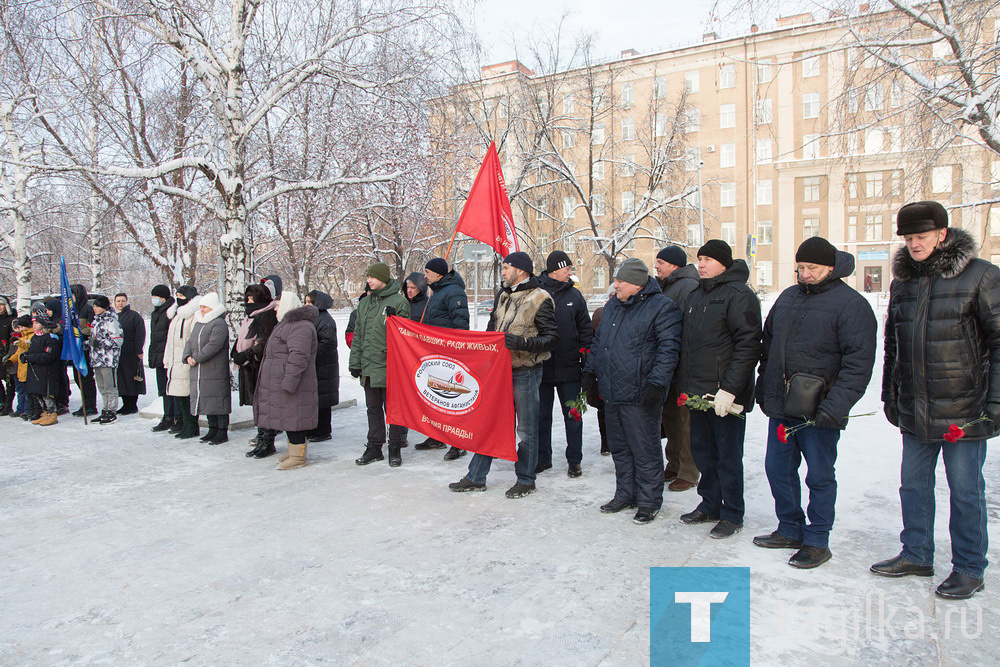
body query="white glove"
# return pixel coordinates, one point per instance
(723, 402)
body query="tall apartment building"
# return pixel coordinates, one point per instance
(761, 140)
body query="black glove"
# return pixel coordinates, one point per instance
(390, 311)
(356, 372)
(891, 413)
(240, 358)
(588, 381)
(514, 342)
(652, 396)
(823, 420)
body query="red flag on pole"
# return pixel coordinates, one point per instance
(451, 384)
(487, 216)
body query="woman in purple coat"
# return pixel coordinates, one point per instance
(286, 397)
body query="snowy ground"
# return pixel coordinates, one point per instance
(121, 546)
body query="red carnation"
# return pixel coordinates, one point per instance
(782, 434)
(584, 350)
(575, 414)
(681, 400)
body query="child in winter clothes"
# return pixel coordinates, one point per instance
(44, 367)
(17, 367)
(105, 351)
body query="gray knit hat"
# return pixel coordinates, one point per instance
(633, 271)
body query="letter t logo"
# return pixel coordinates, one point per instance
(701, 611)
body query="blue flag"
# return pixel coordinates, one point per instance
(72, 349)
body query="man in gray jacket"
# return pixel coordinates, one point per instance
(678, 279)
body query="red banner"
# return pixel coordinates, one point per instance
(451, 384)
(487, 216)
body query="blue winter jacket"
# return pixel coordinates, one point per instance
(827, 330)
(637, 344)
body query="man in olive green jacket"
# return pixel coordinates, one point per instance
(368, 361)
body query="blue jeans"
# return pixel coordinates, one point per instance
(717, 447)
(963, 466)
(22, 397)
(634, 438)
(819, 448)
(526, 382)
(574, 429)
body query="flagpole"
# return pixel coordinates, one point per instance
(447, 253)
(83, 394)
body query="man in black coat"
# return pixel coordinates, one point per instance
(677, 279)
(820, 327)
(159, 325)
(327, 365)
(941, 387)
(131, 377)
(86, 383)
(720, 347)
(561, 371)
(448, 306)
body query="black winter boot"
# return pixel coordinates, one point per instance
(395, 459)
(371, 455)
(221, 436)
(190, 428)
(265, 446)
(210, 436)
(164, 425)
(176, 425)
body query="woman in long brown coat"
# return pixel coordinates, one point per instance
(287, 398)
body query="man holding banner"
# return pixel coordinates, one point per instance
(525, 313)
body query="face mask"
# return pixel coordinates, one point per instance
(180, 300)
(158, 301)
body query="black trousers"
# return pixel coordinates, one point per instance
(375, 403)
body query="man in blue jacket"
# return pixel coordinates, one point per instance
(631, 363)
(821, 327)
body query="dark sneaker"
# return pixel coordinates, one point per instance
(959, 587)
(466, 484)
(644, 516)
(542, 466)
(698, 516)
(808, 557)
(776, 541)
(429, 443)
(520, 490)
(900, 567)
(617, 506)
(574, 470)
(108, 417)
(453, 453)
(724, 529)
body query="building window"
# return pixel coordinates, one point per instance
(873, 141)
(600, 277)
(810, 105)
(691, 82)
(810, 228)
(852, 101)
(873, 184)
(852, 228)
(692, 120)
(692, 158)
(727, 116)
(763, 232)
(852, 186)
(597, 138)
(895, 138)
(810, 67)
(727, 76)
(764, 152)
(873, 98)
(543, 242)
(810, 147)
(659, 88)
(628, 129)
(896, 94)
(763, 72)
(764, 192)
(763, 115)
(727, 155)
(597, 204)
(628, 202)
(694, 235)
(941, 179)
(569, 205)
(764, 273)
(628, 94)
(873, 227)
(569, 105)
(627, 166)
(995, 221)
(852, 144)
(542, 211)
(569, 243)
(727, 194)
(727, 231)
(995, 174)
(568, 140)
(810, 188)
(660, 125)
(598, 171)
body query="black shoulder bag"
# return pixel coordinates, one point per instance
(803, 391)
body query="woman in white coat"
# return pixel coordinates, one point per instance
(182, 316)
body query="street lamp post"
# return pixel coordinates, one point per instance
(701, 206)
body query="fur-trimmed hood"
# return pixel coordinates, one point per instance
(956, 252)
(307, 312)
